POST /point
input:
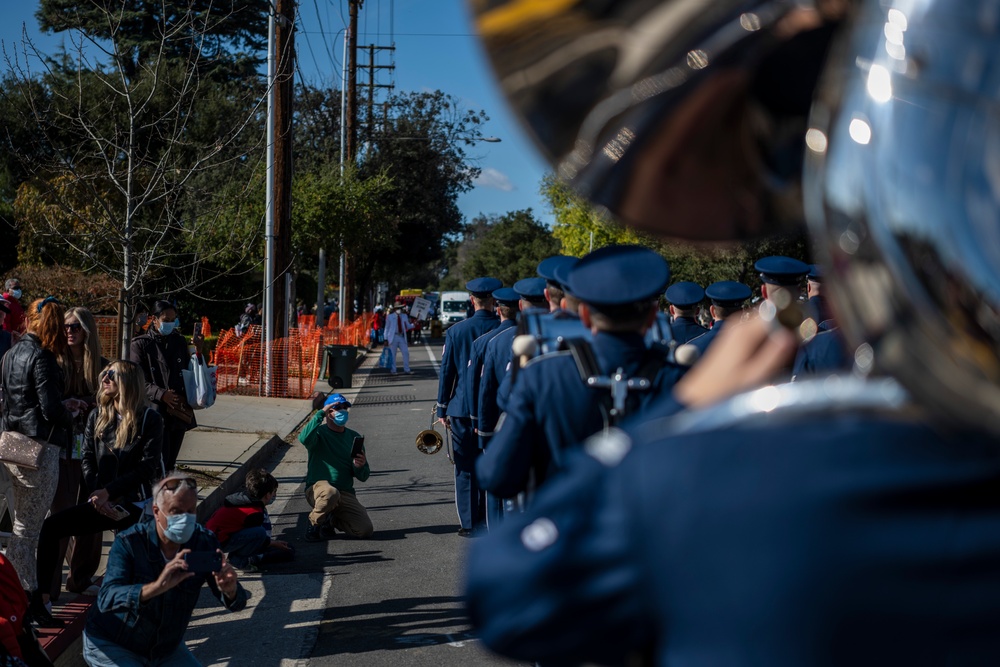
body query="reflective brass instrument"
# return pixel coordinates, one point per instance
(429, 441)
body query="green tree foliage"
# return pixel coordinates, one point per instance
(576, 219)
(222, 38)
(507, 247)
(421, 143)
(335, 211)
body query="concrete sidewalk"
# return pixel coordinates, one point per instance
(234, 435)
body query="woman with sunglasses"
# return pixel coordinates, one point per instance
(121, 458)
(34, 406)
(82, 364)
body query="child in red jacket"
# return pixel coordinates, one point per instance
(243, 526)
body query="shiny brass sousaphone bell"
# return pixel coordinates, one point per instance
(429, 441)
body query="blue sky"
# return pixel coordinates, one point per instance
(435, 49)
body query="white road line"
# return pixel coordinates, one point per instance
(433, 358)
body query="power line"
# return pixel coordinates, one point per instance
(421, 34)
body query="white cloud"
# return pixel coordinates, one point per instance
(493, 178)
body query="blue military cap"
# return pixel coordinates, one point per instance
(728, 293)
(815, 273)
(548, 266)
(778, 270)
(561, 273)
(685, 294)
(483, 287)
(619, 275)
(507, 296)
(530, 288)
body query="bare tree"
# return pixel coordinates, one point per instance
(145, 157)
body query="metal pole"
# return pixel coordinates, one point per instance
(591, 240)
(343, 148)
(269, 214)
(321, 289)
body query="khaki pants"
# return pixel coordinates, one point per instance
(342, 510)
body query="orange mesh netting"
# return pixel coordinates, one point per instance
(297, 360)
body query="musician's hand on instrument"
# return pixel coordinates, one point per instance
(443, 421)
(744, 356)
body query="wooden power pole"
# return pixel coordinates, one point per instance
(347, 308)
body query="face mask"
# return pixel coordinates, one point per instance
(16, 293)
(167, 328)
(271, 501)
(180, 527)
(340, 417)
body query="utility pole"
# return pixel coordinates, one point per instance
(284, 94)
(346, 304)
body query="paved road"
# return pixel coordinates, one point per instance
(392, 600)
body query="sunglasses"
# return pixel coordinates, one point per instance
(172, 485)
(108, 375)
(70, 328)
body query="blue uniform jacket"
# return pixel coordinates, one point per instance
(156, 627)
(826, 353)
(455, 358)
(551, 409)
(703, 341)
(475, 369)
(496, 368)
(817, 540)
(685, 329)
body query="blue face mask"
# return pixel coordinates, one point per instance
(180, 527)
(340, 417)
(16, 293)
(167, 328)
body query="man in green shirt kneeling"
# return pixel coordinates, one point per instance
(331, 470)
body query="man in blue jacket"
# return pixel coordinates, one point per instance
(150, 589)
(452, 406)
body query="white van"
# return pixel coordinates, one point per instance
(454, 307)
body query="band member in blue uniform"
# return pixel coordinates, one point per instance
(840, 521)
(554, 290)
(781, 279)
(534, 299)
(507, 300)
(552, 406)
(728, 298)
(684, 298)
(818, 308)
(452, 406)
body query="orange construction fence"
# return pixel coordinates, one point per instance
(297, 359)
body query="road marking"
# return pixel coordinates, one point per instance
(434, 361)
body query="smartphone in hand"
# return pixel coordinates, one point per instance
(118, 512)
(203, 562)
(359, 446)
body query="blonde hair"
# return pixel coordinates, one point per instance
(130, 401)
(86, 382)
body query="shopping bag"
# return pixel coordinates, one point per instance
(385, 361)
(200, 383)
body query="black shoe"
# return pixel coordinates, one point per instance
(41, 616)
(312, 534)
(327, 532)
(465, 532)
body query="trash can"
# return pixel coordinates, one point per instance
(436, 330)
(340, 360)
